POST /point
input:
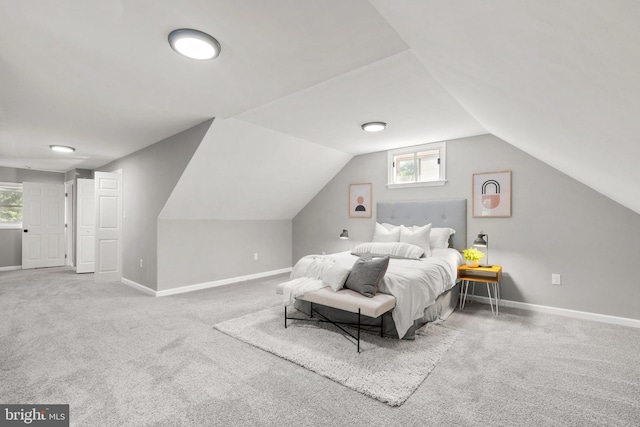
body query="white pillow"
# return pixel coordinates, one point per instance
(419, 236)
(382, 235)
(393, 250)
(334, 275)
(389, 227)
(439, 238)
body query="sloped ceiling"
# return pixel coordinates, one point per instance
(398, 90)
(556, 79)
(245, 172)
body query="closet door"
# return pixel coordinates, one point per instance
(86, 220)
(43, 236)
(108, 247)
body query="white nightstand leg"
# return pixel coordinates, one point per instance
(464, 287)
(467, 298)
(490, 300)
(464, 296)
(473, 290)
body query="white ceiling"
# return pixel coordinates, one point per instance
(397, 90)
(556, 79)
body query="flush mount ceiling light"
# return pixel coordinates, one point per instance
(374, 126)
(194, 44)
(62, 148)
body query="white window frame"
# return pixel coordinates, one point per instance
(442, 179)
(12, 225)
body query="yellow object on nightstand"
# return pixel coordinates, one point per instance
(489, 275)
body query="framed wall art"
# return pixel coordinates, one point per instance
(360, 200)
(492, 194)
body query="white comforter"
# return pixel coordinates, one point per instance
(414, 283)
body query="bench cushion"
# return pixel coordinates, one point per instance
(351, 301)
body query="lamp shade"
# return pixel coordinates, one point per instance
(344, 234)
(480, 241)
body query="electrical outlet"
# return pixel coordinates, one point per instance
(256, 256)
(141, 262)
(556, 279)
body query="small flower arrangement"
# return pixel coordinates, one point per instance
(473, 254)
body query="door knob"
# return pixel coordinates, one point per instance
(26, 231)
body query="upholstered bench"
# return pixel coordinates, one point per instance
(347, 300)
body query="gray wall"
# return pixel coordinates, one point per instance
(558, 225)
(199, 251)
(149, 175)
(11, 240)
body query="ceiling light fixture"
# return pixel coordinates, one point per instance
(62, 148)
(194, 44)
(374, 126)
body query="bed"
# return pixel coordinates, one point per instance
(426, 289)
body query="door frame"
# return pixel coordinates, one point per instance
(69, 224)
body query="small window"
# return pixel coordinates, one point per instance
(417, 166)
(10, 205)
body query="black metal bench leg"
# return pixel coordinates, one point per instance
(338, 324)
(358, 330)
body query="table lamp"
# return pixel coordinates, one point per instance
(345, 236)
(482, 242)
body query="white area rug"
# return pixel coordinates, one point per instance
(386, 369)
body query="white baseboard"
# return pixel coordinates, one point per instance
(206, 285)
(138, 286)
(13, 267)
(623, 321)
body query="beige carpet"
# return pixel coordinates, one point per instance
(386, 369)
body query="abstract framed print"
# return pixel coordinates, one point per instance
(492, 194)
(360, 200)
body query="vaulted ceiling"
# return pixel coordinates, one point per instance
(555, 79)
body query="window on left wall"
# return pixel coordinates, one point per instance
(10, 205)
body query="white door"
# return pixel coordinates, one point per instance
(108, 259)
(43, 236)
(68, 221)
(86, 220)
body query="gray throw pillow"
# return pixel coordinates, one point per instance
(366, 274)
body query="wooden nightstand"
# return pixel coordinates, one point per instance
(489, 275)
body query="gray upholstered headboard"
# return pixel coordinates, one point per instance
(450, 213)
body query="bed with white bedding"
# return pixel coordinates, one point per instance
(425, 288)
(416, 284)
